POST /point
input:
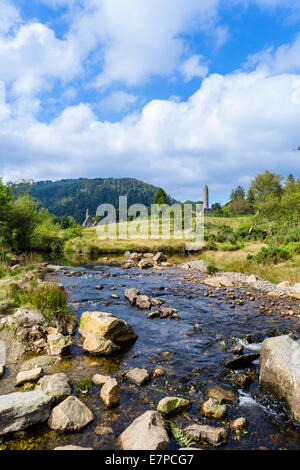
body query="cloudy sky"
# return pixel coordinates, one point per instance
(176, 93)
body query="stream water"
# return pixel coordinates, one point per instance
(195, 361)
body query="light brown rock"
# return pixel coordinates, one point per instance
(97, 344)
(143, 302)
(138, 376)
(29, 376)
(99, 379)
(213, 409)
(70, 415)
(131, 294)
(210, 434)
(107, 325)
(222, 395)
(110, 393)
(147, 432)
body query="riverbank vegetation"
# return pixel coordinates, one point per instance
(257, 232)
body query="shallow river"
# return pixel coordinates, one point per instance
(195, 363)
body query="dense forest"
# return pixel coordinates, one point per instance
(72, 197)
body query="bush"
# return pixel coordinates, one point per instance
(49, 298)
(271, 255)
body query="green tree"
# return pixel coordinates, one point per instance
(265, 185)
(238, 193)
(5, 201)
(160, 197)
(22, 220)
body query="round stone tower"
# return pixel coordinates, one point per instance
(205, 198)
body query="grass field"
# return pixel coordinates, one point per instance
(226, 254)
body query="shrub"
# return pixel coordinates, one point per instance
(271, 255)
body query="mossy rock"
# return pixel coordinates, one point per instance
(173, 405)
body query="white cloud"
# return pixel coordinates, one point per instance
(139, 39)
(34, 56)
(233, 127)
(195, 66)
(285, 58)
(9, 16)
(117, 101)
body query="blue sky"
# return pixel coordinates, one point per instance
(178, 94)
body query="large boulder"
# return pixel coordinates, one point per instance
(20, 410)
(280, 370)
(70, 415)
(147, 432)
(107, 325)
(96, 344)
(57, 386)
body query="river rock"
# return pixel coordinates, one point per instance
(144, 264)
(279, 370)
(148, 255)
(220, 281)
(222, 395)
(242, 361)
(251, 279)
(2, 354)
(2, 370)
(173, 405)
(99, 379)
(57, 386)
(147, 432)
(131, 295)
(239, 424)
(57, 344)
(51, 268)
(29, 317)
(110, 393)
(143, 302)
(29, 376)
(212, 408)
(138, 376)
(71, 447)
(40, 361)
(128, 265)
(107, 325)
(167, 312)
(23, 409)
(211, 434)
(159, 257)
(70, 415)
(97, 344)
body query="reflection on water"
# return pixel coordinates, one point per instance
(196, 359)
